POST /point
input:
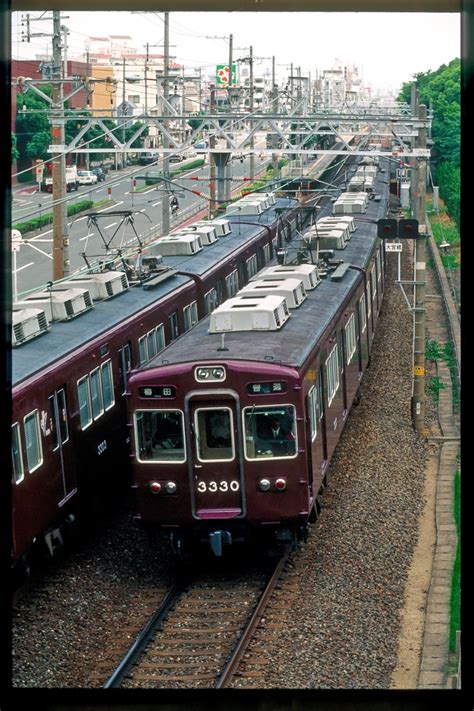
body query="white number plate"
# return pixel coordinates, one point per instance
(214, 486)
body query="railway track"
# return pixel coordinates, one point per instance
(199, 634)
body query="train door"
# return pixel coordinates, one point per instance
(62, 449)
(321, 414)
(218, 487)
(342, 369)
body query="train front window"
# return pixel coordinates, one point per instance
(213, 431)
(159, 436)
(270, 432)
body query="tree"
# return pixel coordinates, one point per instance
(442, 88)
(14, 150)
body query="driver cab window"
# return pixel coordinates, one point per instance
(214, 433)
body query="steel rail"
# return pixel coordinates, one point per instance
(234, 660)
(114, 681)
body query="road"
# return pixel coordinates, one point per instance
(34, 261)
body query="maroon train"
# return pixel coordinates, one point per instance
(235, 423)
(75, 346)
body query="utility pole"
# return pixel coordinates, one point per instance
(61, 261)
(251, 107)
(275, 111)
(228, 167)
(419, 311)
(212, 162)
(165, 206)
(145, 75)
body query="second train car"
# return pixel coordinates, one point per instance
(235, 423)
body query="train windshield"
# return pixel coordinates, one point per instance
(214, 433)
(270, 432)
(159, 436)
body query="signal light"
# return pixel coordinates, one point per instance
(403, 229)
(387, 229)
(155, 487)
(408, 229)
(280, 484)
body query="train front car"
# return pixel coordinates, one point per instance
(236, 422)
(217, 452)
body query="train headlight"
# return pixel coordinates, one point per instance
(264, 484)
(155, 487)
(280, 484)
(170, 487)
(209, 373)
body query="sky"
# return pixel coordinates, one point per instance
(389, 48)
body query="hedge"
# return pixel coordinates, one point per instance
(37, 223)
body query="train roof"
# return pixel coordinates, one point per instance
(290, 345)
(64, 337)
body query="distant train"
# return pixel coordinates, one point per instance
(235, 423)
(76, 342)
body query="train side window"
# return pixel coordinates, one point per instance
(251, 265)
(142, 350)
(312, 408)
(190, 315)
(96, 394)
(151, 344)
(174, 325)
(213, 432)
(332, 373)
(52, 422)
(367, 295)
(159, 436)
(125, 366)
(17, 457)
(210, 301)
(232, 284)
(107, 384)
(34, 451)
(350, 336)
(362, 314)
(374, 285)
(160, 338)
(319, 386)
(378, 266)
(84, 400)
(62, 415)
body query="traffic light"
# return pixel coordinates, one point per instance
(408, 229)
(387, 229)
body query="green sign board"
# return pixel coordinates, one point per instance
(222, 75)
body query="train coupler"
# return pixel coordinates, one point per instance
(217, 539)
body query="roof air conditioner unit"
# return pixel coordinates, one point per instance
(207, 233)
(27, 324)
(307, 273)
(255, 313)
(292, 289)
(103, 285)
(178, 245)
(59, 303)
(244, 208)
(222, 227)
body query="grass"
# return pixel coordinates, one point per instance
(455, 601)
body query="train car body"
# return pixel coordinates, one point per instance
(70, 440)
(224, 473)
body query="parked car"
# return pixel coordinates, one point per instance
(101, 175)
(147, 158)
(86, 177)
(176, 158)
(201, 144)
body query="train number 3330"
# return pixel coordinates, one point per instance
(213, 486)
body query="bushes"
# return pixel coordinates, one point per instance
(36, 223)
